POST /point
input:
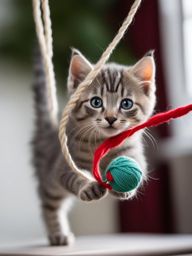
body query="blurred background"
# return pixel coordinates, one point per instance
(164, 205)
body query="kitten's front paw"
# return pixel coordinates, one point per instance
(61, 239)
(122, 195)
(92, 191)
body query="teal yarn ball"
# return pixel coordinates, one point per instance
(123, 174)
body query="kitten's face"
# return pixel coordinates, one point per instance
(117, 100)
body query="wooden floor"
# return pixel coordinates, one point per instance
(110, 245)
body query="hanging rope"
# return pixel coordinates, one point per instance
(44, 35)
(88, 80)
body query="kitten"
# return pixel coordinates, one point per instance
(119, 98)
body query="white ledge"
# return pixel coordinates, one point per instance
(112, 245)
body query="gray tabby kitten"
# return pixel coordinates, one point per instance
(120, 97)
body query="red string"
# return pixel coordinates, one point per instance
(112, 142)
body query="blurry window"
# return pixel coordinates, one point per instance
(187, 42)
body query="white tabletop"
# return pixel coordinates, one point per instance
(110, 245)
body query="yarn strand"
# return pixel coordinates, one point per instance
(88, 80)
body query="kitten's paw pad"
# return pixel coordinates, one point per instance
(122, 195)
(92, 191)
(61, 239)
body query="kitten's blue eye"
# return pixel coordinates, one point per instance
(96, 102)
(126, 104)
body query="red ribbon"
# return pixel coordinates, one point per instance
(114, 141)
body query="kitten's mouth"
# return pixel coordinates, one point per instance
(109, 131)
(110, 127)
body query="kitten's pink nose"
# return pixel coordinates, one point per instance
(110, 119)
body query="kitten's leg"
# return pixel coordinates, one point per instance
(92, 191)
(85, 189)
(55, 210)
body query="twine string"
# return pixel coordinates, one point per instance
(41, 13)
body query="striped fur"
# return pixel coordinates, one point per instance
(87, 128)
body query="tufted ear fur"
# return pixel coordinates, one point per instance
(78, 70)
(144, 71)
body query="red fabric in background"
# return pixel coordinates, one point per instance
(152, 210)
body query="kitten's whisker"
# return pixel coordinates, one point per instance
(72, 130)
(93, 133)
(83, 134)
(76, 134)
(148, 139)
(88, 130)
(151, 139)
(145, 140)
(79, 130)
(80, 133)
(96, 136)
(89, 139)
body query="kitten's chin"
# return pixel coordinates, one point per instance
(109, 132)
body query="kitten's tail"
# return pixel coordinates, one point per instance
(45, 140)
(44, 119)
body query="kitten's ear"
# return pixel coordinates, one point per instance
(144, 71)
(78, 70)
